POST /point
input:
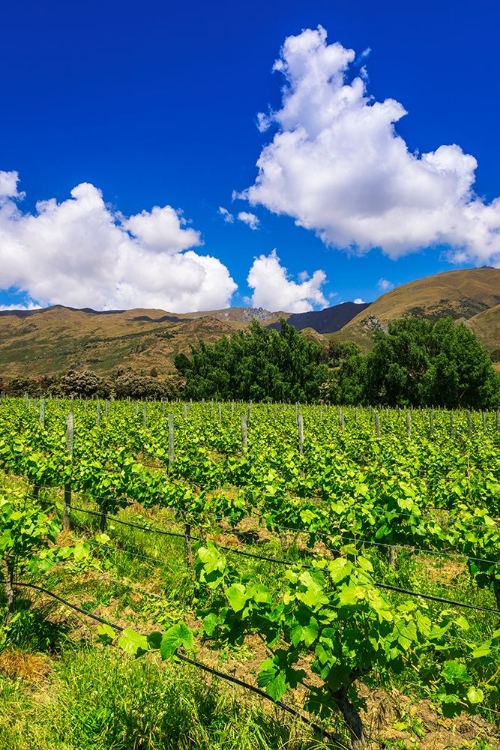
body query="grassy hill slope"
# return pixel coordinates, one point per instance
(464, 294)
(39, 342)
(57, 338)
(486, 326)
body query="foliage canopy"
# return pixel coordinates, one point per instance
(420, 363)
(256, 364)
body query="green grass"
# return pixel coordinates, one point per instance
(97, 699)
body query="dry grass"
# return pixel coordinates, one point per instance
(486, 326)
(391, 716)
(19, 664)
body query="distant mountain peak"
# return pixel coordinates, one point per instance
(328, 320)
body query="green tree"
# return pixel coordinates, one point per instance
(132, 385)
(397, 363)
(419, 362)
(84, 384)
(256, 364)
(460, 372)
(346, 383)
(340, 351)
(21, 385)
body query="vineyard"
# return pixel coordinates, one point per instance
(323, 559)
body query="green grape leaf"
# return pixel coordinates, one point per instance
(210, 622)
(176, 636)
(407, 635)
(455, 671)
(350, 595)
(132, 642)
(106, 634)
(237, 597)
(273, 679)
(475, 695)
(483, 650)
(339, 569)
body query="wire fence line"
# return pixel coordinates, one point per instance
(146, 592)
(322, 534)
(281, 561)
(200, 665)
(430, 514)
(129, 523)
(386, 545)
(128, 584)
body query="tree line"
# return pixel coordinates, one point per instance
(414, 363)
(417, 363)
(82, 383)
(255, 364)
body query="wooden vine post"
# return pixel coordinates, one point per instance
(244, 433)
(70, 433)
(171, 452)
(300, 424)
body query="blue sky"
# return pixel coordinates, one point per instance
(126, 129)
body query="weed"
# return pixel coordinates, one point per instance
(97, 700)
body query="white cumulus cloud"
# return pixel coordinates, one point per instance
(248, 218)
(337, 165)
(359, 301)
(384, 285)
(8, 186)
(274, 290)
(83, 253)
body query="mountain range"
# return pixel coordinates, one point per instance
(46, 341)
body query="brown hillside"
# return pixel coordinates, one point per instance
(460, 294)
(38, 342)
(54, 339)
(486, 326)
